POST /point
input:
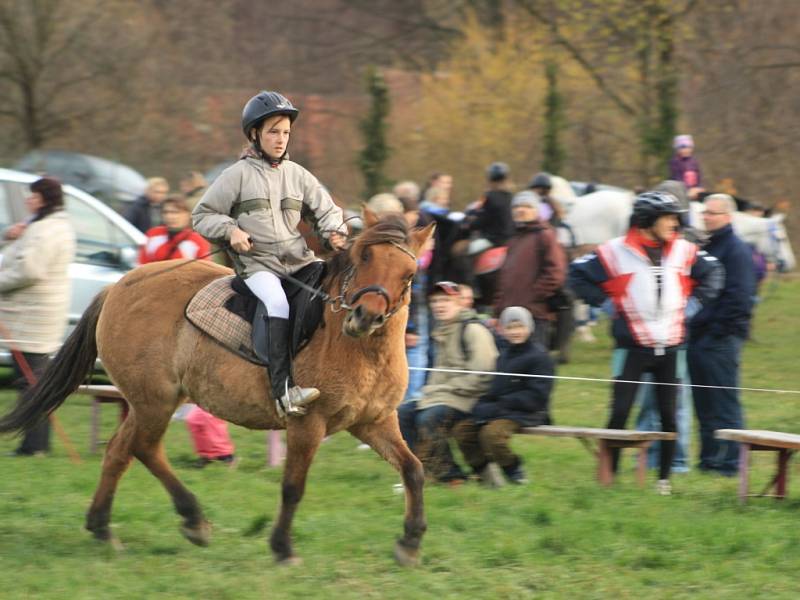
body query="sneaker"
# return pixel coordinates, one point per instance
(664, 487)
(491, 476)
(518, 477)
(515, 473)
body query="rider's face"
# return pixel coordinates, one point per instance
(665, 228)
(275, 136)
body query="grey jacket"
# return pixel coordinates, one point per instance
(265, 202)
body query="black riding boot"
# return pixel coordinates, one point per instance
(290, 399)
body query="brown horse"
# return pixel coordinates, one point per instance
(158, 360)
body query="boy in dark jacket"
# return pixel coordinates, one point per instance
(511, 402)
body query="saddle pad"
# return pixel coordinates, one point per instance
(206, 311)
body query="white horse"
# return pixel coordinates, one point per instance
(766, 234)
(598, 217)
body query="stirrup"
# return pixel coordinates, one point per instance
(294, 401)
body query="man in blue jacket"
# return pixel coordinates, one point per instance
(716, 335)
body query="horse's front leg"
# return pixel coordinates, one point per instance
(303, 437)
(384, 437)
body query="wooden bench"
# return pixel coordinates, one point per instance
(606, 440)
(102, 394)
(750, 440)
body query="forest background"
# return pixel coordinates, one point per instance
(591, 89)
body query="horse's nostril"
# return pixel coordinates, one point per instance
(379, 320)
(359, 312)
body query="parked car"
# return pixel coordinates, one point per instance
(107, 245)
(113, 183)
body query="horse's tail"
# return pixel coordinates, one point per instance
(62, 376)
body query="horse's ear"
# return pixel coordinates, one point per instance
(420, 236)
(369, 217)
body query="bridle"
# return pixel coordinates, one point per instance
(340, 302)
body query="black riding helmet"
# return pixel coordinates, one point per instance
(649, 206)
(265, 104)
(497, 171)
(541, 180)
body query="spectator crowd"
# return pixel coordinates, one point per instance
(494, 293)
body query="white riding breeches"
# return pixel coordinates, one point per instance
(267, 288)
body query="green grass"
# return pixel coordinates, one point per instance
(560, 537)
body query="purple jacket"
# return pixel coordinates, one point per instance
(685, 169)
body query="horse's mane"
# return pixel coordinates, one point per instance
(389, 228)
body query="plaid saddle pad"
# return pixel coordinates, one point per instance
(208, 313)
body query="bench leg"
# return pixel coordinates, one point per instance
(641, 464)
(95, 431)
(604, 473)
(782, 477)
(744, 471)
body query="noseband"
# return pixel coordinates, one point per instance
(340, 302)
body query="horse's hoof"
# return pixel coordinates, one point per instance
(105, 537)
(198, 535)
(406, 557)
(290, 561)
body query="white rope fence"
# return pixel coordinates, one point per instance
(597, 379)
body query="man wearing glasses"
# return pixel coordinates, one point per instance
(716, 335)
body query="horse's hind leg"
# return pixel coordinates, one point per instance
(303, 437)
(115, 463)
(148, 447)
(384, 437)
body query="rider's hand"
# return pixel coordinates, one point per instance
(412, 339)
(337, 241)
(240, 241)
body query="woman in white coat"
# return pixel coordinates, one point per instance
(35, 292)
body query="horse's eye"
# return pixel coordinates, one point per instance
(365, 254)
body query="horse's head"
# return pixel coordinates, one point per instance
(768, 235)
(779, 243)
(382, 262)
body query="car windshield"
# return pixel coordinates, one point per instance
(98, 240)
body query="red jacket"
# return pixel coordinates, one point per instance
(535, 267)
(160, 246)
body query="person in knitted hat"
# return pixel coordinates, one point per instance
(535, 266)
(512, 402)
(683, 166)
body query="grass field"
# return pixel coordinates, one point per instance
(559, 537)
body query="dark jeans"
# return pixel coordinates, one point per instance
(37, 438)
(482, 444)
(664, 369)
(427, 432)
(714, 361)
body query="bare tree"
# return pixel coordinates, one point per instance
(63, 63)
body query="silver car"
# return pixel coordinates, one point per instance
(107, 245)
